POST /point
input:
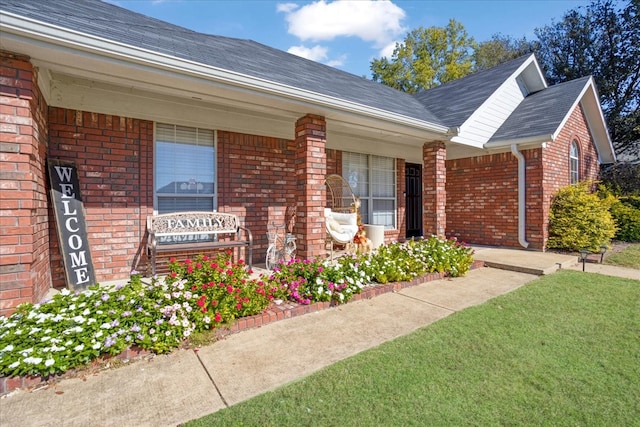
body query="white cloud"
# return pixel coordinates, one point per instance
(286, 7)
(378, 22)
(387, 51)
(316, 53)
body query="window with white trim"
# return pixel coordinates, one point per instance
(373, 180)
(184, 169)
(574, 163)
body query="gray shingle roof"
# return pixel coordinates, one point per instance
(454, 102)
(247, 57)
(541, 113)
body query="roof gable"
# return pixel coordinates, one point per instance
(542, 115)
(455, 102)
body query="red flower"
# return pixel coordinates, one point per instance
(239, 306)
(189, 269)
(173, 274)
(230, 289)
(218, 317)
(172, 259)
(214, 265)
(214, 303)
(198, 265)
(187, 261)
(205, 257)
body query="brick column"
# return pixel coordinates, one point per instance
(24, 242)
(434, 195)
(311, 169)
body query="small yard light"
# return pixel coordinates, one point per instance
(583, 257)
(603, 249)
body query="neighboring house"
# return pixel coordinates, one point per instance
(158, 118)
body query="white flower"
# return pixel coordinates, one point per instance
(105, 325)
(98, 334)
(79, 319)
(79, 347)
(49, 362)
(14, 364)
(86, 312)
(65, 292)
(96, 346)
(7, 348)
(43, 339)
(32, 360)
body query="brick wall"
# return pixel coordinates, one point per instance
(113, 156)
(482, 192)
(24, 241)
(555, 159)
(482, 199)
(257, 177)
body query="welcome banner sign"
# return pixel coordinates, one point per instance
(71, 225)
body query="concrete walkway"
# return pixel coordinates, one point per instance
(187, 384)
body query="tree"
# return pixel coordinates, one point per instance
(428, 57)
(602, 41)
(500, 49)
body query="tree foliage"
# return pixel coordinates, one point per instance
(603, 41)
(499, 49)
(427, 57)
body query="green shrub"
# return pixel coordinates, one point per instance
(627, 219)
(579, 219)
(633, 201)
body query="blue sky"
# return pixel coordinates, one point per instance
(349, 34)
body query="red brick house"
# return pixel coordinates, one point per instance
(158, 118)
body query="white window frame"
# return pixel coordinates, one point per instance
(369, 198)
(213, 197)
(574, 162)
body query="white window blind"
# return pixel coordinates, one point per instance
(373, 180)
(185, 169)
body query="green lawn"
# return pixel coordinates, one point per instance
(562, 351)
(630, 257)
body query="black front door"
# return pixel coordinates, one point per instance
(413, 181)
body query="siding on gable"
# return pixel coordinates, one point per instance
(482, 124)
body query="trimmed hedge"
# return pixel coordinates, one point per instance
(579, 219)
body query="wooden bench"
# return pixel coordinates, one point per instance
(192, 231)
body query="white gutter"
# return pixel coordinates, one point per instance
(522, 208)
(532, 141)
(31, 29)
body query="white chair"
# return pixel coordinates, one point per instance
(341, 227)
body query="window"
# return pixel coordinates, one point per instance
(185, 169)
(574, 162)
(373, 179)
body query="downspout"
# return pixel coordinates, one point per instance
(522, 208)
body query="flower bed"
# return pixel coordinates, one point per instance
(73, 329)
